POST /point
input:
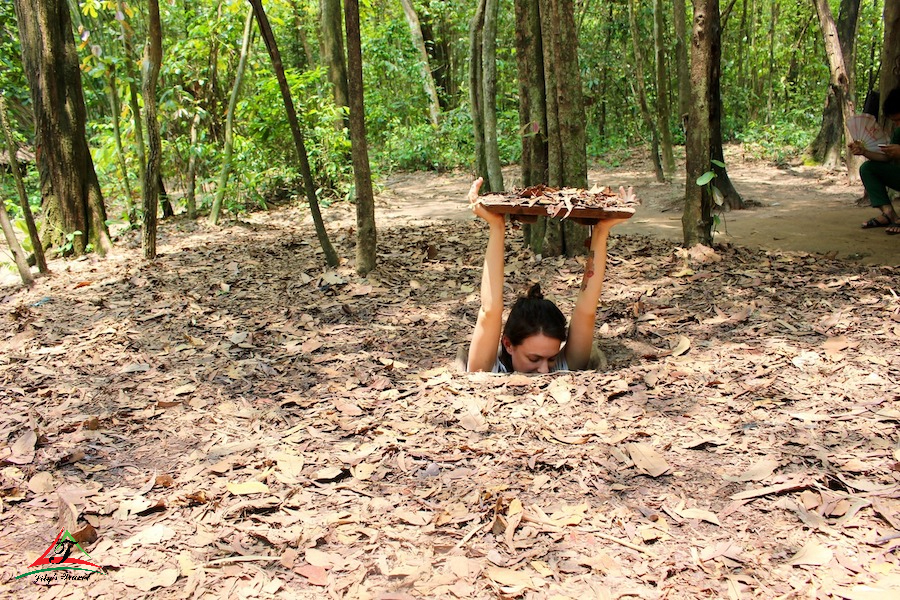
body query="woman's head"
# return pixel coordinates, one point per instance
(533, 334)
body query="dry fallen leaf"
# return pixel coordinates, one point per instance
(646, 459)
(247, 487)
(813, 554)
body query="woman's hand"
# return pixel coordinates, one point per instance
(479, 209)
(891, 150)
(856, 148)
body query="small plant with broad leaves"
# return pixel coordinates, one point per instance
(718, 197)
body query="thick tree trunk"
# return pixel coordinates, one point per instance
(71, 193)
(362, 176)
(265, 29)
(332, 49)
(890, 53)
(225, 173)
(840, 83)
(828, 146)
(532, 94)
(418, 40)
(151, 65)
(11, 149)
(642, 93)
(662, 87)
(681, 59)
(696, 221)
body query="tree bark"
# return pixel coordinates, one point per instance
(532, 94)
(11, 149)
(332, 49)
(681, 59)
(642, 93)
(662, 87)
(133, 101)
(150, 73)
(193, 159)
(229, 121)
(828, 147)
(696, 221)
(415, 31)
(362, 177)
(839, 83)
(70, 190)
(476, 94)
(489, 95)
(117, 135)
(890, 53)
(15, 247)
(265, 29)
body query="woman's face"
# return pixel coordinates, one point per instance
(536, 353)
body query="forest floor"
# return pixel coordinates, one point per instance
(230, 421)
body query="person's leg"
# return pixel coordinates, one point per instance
(876, 178)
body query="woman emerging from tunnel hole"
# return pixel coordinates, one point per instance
(534, 338)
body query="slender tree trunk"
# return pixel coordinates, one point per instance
(13, 242)
(11, 149)
(71, 192)
(681, 59)
(489, 95)
(193, 159)
(302, 38)
(225, 173)
(840, 79)
(362, 177)
(662, 87)
(641, 91)
(770, 95)
(332, 49)
(117, 136)
(133, 103)
(697, 219)
(476, 94)
(151, 65)
(265, 29)
(415, 30)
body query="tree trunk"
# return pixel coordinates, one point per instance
(489, 95)
(151, 65)
(415, 31)
(265, 29)
(117, 135)
(332, 48)
(11, 150)
(532, 94)
(696, 221)
(890, 53)
(71, 193)
(681, 60)
(229, 121)
(302, 39)
(13, 242)
(662, 87)
(476, 94)
(642, 93)
(362, 176)
(828, 147)
(840, 79)
(193, 159)
(133, 102)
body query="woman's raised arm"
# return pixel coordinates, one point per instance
(486, 337)
(584, 316)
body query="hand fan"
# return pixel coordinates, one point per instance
(864, 128)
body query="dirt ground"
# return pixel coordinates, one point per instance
(231, 420)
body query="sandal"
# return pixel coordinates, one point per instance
(874, 222)
(893, 230)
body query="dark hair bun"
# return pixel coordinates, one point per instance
(535, 293)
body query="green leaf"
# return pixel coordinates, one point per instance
(718, 196)
(706, 178)
(718, 163)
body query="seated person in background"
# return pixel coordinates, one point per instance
(882, 169)
(532, 340)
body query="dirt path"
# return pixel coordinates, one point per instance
(795, 209)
